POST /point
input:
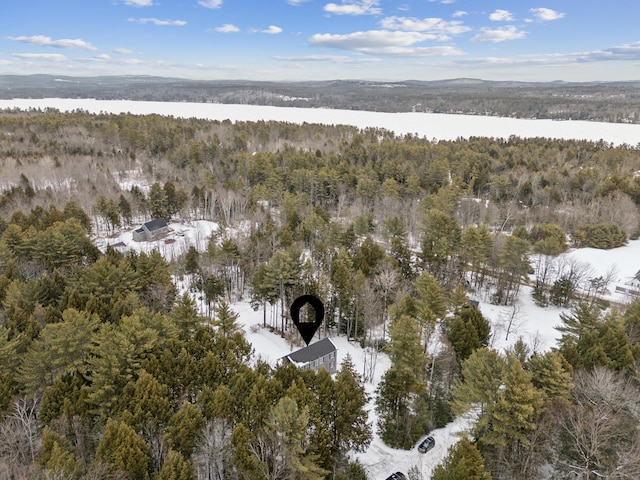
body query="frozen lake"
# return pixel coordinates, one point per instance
(425, 125)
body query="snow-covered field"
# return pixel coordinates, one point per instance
(424, 125)
(534, 324)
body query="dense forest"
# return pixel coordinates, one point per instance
(596, 101)
(109, 370)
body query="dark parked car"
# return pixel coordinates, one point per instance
(396, 476)
(426, 444)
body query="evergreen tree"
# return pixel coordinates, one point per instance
(367, 256)
(226, 320)
(467, 331)
(185, 315)
(124, 450)
(158, 204)
(62, 349)
(183, 428)
(175, 467)
(149, 405)
(351, 430)
(343, 286)
(477, 390)
(73, 209)
(124, 208)
(463, 462)
(281, 274)
(401, 384)
(56, 456)
(516, 411)
(551, 373)
(431, 304)
(440, 245)
(191, 261)
(280, 451)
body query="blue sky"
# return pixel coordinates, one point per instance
(528, 40)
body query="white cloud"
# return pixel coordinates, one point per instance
(296, 2)
(138, 3)
(354, 7)
(341, 59)
(546, 14)
(384, 42)
(49, 42)
(628, 51)
(436, 25)
(124, 51)
(272, 30)
(227, 28)
(499, 34)
(501, 16)
(161, 23)
(102, 56)
(459, 13)
(50, 57)
(443, 1)
(210, 3)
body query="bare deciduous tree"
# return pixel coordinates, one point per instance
(213, 456)
(600, 433)
(19, 439)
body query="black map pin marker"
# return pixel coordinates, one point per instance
(307, 329)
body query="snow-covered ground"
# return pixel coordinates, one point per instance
(425, 125)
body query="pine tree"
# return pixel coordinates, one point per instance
(185, 315)
(56, 456)
(62, 349)
(367, 256)
(281, 449)
(191, 261)
(124, 450)
(158, 204)
(226, 320)
(183, 428)
(175, 467)
(477, 390)
(281, 274)
(463, 462)
(431, 304)
(517, 408)
(149, 405)
(402, 384)
(351, 430)
(552, 374)
(467, 331)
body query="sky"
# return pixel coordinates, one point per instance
(295, 40)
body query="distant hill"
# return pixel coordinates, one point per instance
(607, 102)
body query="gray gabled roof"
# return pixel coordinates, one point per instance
(312, 352)
(156, 224)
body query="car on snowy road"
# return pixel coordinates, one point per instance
(396, 476)
(427, 444)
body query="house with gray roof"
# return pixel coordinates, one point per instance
(153, 230)
(321, 354)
